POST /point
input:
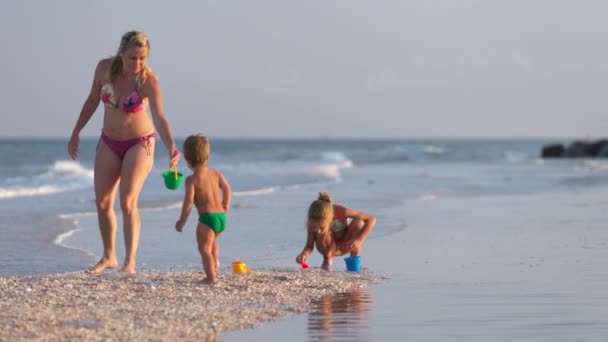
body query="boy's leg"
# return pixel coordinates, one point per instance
(352, 232)
(327, 247)
(216, 254)
(206, 239)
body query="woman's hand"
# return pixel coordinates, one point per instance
(174, 156)
(73, 146)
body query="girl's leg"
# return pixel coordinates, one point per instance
(136, 167)
(106, 177)
(327, 247)
(205, 237)
(353, 231)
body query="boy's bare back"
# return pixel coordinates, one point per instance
(207, 196)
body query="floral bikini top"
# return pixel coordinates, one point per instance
(340, 221)
(131, 104)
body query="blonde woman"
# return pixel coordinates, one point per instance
(335, 230)
(125, 151)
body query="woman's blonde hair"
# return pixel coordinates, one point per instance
(129, 39)
(321, 209)
(196, 149)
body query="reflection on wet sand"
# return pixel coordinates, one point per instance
(341, 317)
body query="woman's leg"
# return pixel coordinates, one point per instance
(136, 167)
(205, 237)
(106, 177)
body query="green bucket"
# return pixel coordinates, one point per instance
(171, 181)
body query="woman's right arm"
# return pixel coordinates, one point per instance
(88, 108)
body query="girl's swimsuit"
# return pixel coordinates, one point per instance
(338, 224)
(215, 221)
(131, 104)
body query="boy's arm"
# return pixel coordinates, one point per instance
(226, 192)
(187, 205)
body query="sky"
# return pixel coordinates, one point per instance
(307, 69)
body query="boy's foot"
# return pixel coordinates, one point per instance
(102, 265)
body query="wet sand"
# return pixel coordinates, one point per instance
(159, 306)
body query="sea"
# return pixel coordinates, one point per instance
(476, 239)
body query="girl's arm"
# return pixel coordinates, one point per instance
(369, 223)
(310, 244)
(187, 205)
(160, 120)
(88, 109)
(226, 192)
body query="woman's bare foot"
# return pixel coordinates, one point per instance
(102, 265)
(208, 281)
(128, 268)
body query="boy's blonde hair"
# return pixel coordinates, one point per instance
(321, 209)
(196, 150)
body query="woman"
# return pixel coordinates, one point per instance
(335, 230)
(125, 151)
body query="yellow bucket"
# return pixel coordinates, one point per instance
(240, 267)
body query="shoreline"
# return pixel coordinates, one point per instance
(159, 305)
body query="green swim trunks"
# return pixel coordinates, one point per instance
(215, 221)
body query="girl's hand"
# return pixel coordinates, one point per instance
(351, 245)
(73, 146)
(301, 259)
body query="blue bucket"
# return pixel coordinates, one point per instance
(353, 263)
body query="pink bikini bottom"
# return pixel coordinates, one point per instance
(120, 147)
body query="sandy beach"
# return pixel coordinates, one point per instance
(159, 306)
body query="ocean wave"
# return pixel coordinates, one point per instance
(433, 150)
(72, 219)
(592, 165)
(285, 173)
(61, 176)
(28, 191)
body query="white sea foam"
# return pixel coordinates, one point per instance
(61, 176)
(70, 168)
(433, 150)
(593, 165)
(429, 196)
(72, 219)
(28, 191)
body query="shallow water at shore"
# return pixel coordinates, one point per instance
(472, 251)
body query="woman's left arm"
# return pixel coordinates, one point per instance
(160, 120)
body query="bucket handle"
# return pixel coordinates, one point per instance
(174, 168)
